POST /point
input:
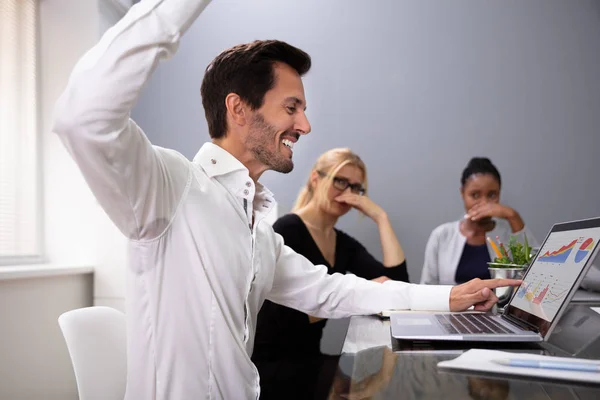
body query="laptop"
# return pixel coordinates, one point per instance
(534, 308)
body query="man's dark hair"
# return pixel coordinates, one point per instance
(480, 165)
(246, 70)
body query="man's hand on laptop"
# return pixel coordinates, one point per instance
(478, 293)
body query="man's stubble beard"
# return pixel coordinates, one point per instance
(260, 136)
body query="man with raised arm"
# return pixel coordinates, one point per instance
(202, 260)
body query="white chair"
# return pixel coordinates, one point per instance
(97, 341)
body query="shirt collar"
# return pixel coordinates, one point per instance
(217, 161)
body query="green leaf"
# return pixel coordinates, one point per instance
(527, 249)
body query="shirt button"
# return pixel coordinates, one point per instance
(248, 184)
(246, 191)
(212, 160)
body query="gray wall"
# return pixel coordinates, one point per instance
(35, 362)
(417, 88)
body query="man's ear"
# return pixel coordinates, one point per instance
(236, 109)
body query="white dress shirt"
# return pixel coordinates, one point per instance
(446, 244)
(199, 268)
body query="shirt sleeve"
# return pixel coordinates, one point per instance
(303, 286)
(138, 185)
(431, 270)
(366, 266)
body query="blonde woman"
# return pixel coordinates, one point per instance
(287, 344)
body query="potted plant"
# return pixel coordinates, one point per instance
(511, 264)
(517, 256)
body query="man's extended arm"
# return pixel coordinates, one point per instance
(301, 285)
(139, 186)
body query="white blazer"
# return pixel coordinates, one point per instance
(445, 246)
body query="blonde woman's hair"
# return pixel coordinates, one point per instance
(329, 164)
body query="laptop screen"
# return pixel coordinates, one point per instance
(556, 270)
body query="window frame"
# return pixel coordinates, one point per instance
(39, 255)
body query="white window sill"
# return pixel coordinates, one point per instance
(41, 270)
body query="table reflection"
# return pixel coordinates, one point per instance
(373, 366)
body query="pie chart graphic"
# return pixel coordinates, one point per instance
(585, 248)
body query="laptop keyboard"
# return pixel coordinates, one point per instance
(470, 324)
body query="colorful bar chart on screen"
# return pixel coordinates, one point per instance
(538, 299)
(586, 247)
(553, 274)
(559, 256)
(542, 290)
